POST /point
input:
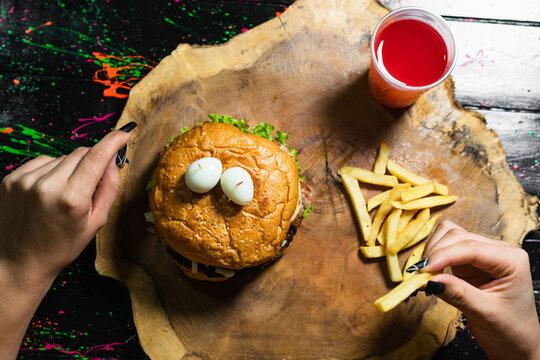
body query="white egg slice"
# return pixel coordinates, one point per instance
(202, 175)
(237, 185)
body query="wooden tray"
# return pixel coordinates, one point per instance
(304, 72)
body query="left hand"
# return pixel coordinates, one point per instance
(51, 208)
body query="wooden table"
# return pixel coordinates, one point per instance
(52, 82)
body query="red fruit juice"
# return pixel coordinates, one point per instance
(412, 52)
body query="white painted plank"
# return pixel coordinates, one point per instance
(497, 65)
(519, 133)
(517, 10)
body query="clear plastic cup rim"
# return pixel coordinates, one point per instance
(392, 80)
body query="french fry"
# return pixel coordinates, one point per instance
(379, 167)
(409, 232)
(394, 271)
(392, 260)
(406, 216)
(368, 177)
(402, 291)
(373, 251)
(382, 211)
(359, 204)
(415, 257)
(381, 236)
(377, 200)
(427, 202)
(441, 189)
(424, 232)
(403, 174)
(417, 192)
(409, 177)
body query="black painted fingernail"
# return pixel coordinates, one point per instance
(434, 288)
(419, 265)
(121, 157)
(128, 127)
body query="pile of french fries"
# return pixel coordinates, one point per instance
(402, 219)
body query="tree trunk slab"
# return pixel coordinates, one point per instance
(306, 73)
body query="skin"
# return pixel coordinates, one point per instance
(491, 284)
(50, 209)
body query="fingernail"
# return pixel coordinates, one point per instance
(434, 288)
(419, 265)
(128, 127)
(121, 157)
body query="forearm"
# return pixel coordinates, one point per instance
(18, 302)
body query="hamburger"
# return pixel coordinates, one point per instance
(208, 236)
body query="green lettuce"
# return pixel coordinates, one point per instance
(306, 212)
(264, 130)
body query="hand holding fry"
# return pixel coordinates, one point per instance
(491, 284)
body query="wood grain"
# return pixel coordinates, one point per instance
(304, 72)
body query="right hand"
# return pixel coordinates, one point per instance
(491, 284)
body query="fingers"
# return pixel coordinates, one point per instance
(106, 192)
(26, 168)
(65, 169)
(92, 166)
(33, 164)
(491, 259)
(461, 294)
(448, 233)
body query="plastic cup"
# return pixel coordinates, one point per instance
(384, 88)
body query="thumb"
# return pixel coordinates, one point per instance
(460, 294)
(106, 192)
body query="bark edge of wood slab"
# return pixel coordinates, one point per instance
(306, 73)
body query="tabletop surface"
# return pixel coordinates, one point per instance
(66, 69)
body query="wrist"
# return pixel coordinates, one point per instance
(23, 279)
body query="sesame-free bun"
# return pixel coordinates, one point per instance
(208, 228)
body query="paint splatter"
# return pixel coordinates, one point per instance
(120, 74)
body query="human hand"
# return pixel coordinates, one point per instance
(51, 208)
(491, 284)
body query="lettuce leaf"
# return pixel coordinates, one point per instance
(263, 130)
(306, 212)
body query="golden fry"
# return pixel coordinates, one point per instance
(405, 218)
(381, 236)
(424, 232)
(382, 211)
(377, 200)
(379, 167)
(373, 251)
(417, 192)
(359, 204)
(394, 271)
(402, 291)
(427, 202)
(441, 189)
(409, 177)
(392, 260)
(415, 257)
(368, 177)
(409, 232)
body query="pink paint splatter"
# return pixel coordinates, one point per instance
(93, 349)
(480, 58)
(88, 122)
